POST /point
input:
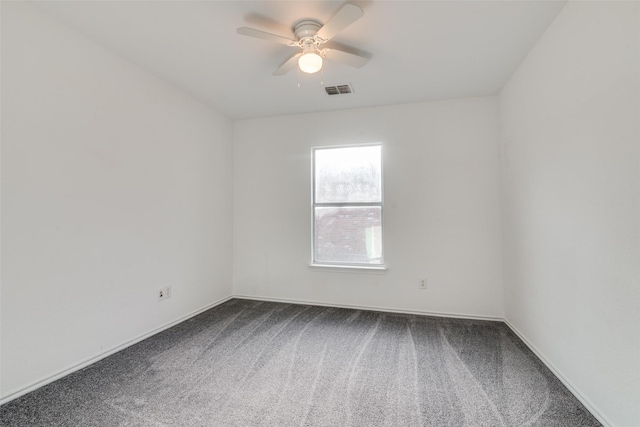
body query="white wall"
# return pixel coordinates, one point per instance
(441, 217)
(114, 184)
(570, 140)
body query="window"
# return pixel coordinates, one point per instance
(347, 206)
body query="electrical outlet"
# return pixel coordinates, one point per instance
(422, 284)
(164, 293)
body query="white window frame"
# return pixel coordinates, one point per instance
(346, 265)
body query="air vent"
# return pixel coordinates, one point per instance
(332, 90)
(338, 90)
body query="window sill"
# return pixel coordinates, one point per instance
(376, 269)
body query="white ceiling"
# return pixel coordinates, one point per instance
(420, 50)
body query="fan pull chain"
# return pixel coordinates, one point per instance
(298, 77)
(322, 77)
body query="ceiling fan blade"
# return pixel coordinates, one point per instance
(356, 61)
(245, 31)
(288, 65)
(347, 15)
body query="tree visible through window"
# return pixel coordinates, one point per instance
(347, 205)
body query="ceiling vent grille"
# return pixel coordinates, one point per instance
(338, 90)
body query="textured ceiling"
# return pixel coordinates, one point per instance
(419, 50)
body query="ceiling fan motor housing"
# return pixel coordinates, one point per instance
(306, 29)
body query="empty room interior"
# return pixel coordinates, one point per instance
(320, 213)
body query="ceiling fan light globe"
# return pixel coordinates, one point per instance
(310, 63)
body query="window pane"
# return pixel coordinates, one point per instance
(350, 174)
(352, 234)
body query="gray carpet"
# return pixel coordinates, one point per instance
(249, 363)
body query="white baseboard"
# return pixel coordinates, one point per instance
(585, 401)
(94, 359)
(373, 308)
(568, 384)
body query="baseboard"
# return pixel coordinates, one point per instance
(568, 384)
(585, 401)
(372, 308)
(109, 352)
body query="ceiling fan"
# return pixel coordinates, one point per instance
(309, 36)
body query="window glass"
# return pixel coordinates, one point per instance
(347, 205)
(351, 174)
